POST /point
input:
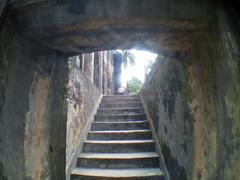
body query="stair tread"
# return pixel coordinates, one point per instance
(123, 108)
(121, 96)
(141, 172)
(122, 131)
(132, 99)
(119, 141)
(118, 155)
(120, 102)
(129, 114)
(120, 122)
(120, 105)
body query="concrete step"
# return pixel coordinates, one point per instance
(106, 111)
(120, 135)
(121, 105)
(121, 100)
(118, 160)
(129, 125)
(120, 117)
(119, 146)
(111, 174)
(117, 97)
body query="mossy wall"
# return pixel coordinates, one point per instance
(228, 99)
(32, 109)
(194, 103)
(83, 96)
(3, 84)
(87, 82)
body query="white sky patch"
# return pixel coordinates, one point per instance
(142, 59)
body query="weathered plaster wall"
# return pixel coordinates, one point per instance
(87, 81)
(194, 103)
(89, 65)
(33, 110)
(86, 84)
(104, 71)
(98, 67)
(83, 97)
(228, 99)
(165, 104)
(110, 72)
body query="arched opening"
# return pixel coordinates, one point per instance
(91, 76)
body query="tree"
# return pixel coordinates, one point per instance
(134, 86)
(121, 57)
(148, 69)
(127, 58)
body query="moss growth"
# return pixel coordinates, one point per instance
(232, 99)
(66, 83)
(2, 176)
(176, 172)
(3, 82)
(66, 91)
(232, 168)
(3, 74)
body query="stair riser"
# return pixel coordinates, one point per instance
(74, 177)
(119, 126)
(119, 120)
(120, 111)
(120, 117)
(119, 136)
(122, 105)
(123, 100)
(118, 148)
(118, 163)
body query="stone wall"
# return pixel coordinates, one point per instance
(32, 109)
(227, 85)
(90, 76)
(161, 94)
(99, 68)
(83, 97)
(194, 104)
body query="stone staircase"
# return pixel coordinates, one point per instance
(119, 144)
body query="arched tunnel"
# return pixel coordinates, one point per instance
(192, 96)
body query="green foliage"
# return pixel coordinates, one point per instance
(66, 91)
(70, 64)
(134, 86)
